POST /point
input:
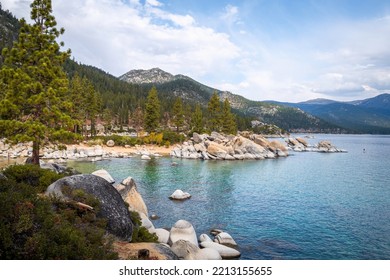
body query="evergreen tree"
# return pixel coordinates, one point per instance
(229, 125)
(178, 113)
(152, 111)
(87, 101)
(33, 104)
(197, 120)
(214, 111)
(138, 119)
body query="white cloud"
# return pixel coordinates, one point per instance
(344, 60)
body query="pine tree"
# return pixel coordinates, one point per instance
(229, 125)
(178, 113)
(197, 120)
(33, 103)
(138, 119)
(152, 111)
(214, 111)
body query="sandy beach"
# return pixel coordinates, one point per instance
(153, 149)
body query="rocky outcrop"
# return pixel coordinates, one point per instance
(112, 207)
(221, 147)
(129, 192)
(301, 145)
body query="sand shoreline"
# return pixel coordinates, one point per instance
(138, 149)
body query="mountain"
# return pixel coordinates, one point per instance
(371, 115)
(381, 102)
(152, 76)
(9, 28)
(172, 86)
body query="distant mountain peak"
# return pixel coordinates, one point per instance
(319, 101)
(151, 76)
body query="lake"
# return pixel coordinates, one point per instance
(306, 206)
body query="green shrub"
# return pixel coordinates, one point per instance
(33, 226)
(32, 175)
(140, 233)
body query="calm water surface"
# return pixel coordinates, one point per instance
(306, 206)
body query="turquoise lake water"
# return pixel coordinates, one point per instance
(306, 206)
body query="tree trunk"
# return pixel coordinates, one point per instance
(35, 153)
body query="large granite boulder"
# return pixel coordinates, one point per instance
(188, 251)
(224, 251)
(105, 175)
(216, 150)
(112, 207)
(225, 238)
(183, 230)
(129, 192)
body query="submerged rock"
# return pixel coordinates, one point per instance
(112, 207)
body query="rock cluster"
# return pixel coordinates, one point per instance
(220, 147)
(14, 151)
(180, 241)
(300, 145)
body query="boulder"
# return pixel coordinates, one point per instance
(188, 251)
(325, 145)
(205, 238)
(225, 238)
(197, 138)
(180, 195)
(129, 192)
(146, 223)
(260, 140)
(216, 150)
(224, 251)
(145, 157)
(110, 143)
(274, 145)
(112, 207)
(183, 230)
(184, 249)
(162, 234)
(105, 175)
(207, 254)
(302, 141)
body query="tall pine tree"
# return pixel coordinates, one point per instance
(152, 111)
(197, 120)
(178, 113)
(33, 103)
(214, 111)
(229, 125)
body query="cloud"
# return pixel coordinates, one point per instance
(343, 59)
(118, 36)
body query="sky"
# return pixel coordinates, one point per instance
(284, 50)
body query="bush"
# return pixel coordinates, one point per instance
(32, 175)
(173, 137)
(33, 226)
(140, 233)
